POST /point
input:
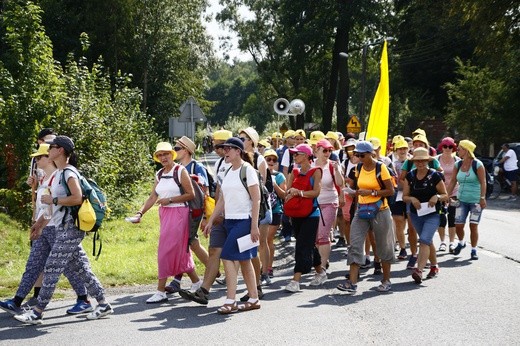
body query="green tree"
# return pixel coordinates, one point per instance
(30, 85)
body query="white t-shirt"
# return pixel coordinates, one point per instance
(58, 190)
(167, 187)
(511, 163)
(44, 185)
(220, 172)
(237, 203)
(286, 158)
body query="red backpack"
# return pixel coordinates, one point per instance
(300, 206)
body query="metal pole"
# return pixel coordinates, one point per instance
(192, 123)
(363, 81)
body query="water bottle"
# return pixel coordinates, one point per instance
(46, 209)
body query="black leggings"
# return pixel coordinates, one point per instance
(306, 254)
(449, 218)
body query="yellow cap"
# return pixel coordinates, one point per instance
(300, 132)
(43, 149)
(264, 143)
(270, 152)
(376, 143)
(315, 137)
(289, 133)
(222, 135)
(276, 135)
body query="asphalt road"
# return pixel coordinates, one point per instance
(471, 302)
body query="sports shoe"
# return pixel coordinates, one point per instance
(30, 317)
(31, 303)
(198, 296)
(442, 247)
(417, 276)
(293, 286)
(158, 297)
(347, 287)
(366, 265)
(265, 279)
(270, 273)
(458, 249)
(474, 255)
(81, 306)
(434, 270)
(452, 248)
(411, 262)
(402, 254)
(341, 243)
(9, 306)
(100, 311)
(377, 268)
(173, 287)
(195, 286)
(221, 280)
(385, 286)
(319, 278)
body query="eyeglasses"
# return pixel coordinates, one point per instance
(243, 139)
(447, 146)
(261, 147)
(37, 158)
(298, 153)
(53, 146)
(271, 159)
(361, 156)
(226, 149)
(326, 150)
(178, 148)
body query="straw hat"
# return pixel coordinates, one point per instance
(421, 154)
(163, 146)
(187, 144)
(251, 133)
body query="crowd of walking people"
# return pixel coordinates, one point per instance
(313, 184)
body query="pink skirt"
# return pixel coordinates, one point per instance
(174, 255)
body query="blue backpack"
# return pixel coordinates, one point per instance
(91, 191)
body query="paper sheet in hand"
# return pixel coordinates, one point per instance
(245, 243)
(425, 210)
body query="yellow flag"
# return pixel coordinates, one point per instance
(380, 110)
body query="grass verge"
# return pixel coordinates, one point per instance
(129, 255)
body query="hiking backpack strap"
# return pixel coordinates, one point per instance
(177, 180)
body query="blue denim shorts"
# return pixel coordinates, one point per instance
(268, 218)
(462, 211)
(426, 226)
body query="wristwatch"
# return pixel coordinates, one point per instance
(55, 201)
(482, 197)
(438, 197)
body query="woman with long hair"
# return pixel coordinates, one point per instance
(471, 176)
(67, 252)
(241, 208)
(425, 191)
(173, 255)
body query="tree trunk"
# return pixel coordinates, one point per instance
(343, 38)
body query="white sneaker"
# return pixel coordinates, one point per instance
(195, 286)
(100, 311)
(319, 278)
(293, 286)
(158, 297)
(29, 317)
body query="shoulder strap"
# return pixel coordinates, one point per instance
(176, 177)
(378, 175)
(255, 159)
(192, 167)
(219, 164)
(474, 166)
(458, 164)
(243, 176)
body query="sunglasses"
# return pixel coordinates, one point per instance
(361, 156)
(447, 146)
(298, 153)
(178, 148)
(326, 150)
(53, 146)
(243, 139)
(271, 159)
(226, 149)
